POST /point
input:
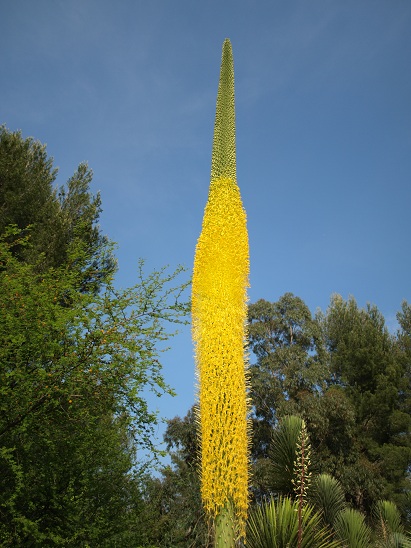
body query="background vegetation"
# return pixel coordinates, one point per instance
(77, 356)
(348, 378)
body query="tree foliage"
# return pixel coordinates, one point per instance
(59, 218)
(177, 516)
(369, 368)
(77, 357)
(348, 377)
(290, 364)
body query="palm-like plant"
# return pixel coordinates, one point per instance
(275, 524)
(291, 476)
(351, 529)
(283, 453)
(390, 533)
(327, 497)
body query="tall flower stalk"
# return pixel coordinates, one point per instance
(302, 476)
(219, 311)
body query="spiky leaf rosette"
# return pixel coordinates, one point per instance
(219, 311)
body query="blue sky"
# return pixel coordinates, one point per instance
(323, 103)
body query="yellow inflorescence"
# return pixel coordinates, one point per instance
(220, 282)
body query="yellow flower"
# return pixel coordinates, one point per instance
(219, 311)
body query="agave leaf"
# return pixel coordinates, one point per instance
(390, 532)
(274, 524)
(327, 496)
(351, 529)
(283, 453)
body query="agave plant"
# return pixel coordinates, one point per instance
(284, 453)
(219, 312)
(290, 456)
(351, 529)
(274, 524)
(390, 533)
(327, 497)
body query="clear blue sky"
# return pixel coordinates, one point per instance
(323, 99)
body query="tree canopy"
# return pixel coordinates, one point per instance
(55, 217)
(348, 378)
(77, 357)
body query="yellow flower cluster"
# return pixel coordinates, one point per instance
(219, 317)
(219, 311)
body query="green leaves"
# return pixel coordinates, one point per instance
(390, 531)
(290, 456)
(60, 220)
(288, 345)
(328, 497)
(352, 530)
(73, 370)
(283, 454)
(349, 378)
(275, 524)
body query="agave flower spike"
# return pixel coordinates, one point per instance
(219, 312)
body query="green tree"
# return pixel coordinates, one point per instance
(349, 379)
(58, 217)
(176, 516)
(287, 343)
(74, 368)
(288, 377)
(402, 416)
(368, 368)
